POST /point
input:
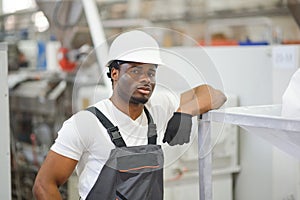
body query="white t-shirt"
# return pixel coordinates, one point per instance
(84, 139)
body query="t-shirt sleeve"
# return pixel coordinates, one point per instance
(165, 103)
(68, 142)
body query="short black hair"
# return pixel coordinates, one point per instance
(113, 64)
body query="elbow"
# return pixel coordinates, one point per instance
(219, 100)
(224, 99)
(38, 189)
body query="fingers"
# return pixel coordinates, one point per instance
(178, 129)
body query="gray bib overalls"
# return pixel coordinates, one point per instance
(130, 173)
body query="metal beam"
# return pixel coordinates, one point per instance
(5, 172)
(98, 36)
(205, 159)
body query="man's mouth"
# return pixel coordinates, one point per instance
(145, 90)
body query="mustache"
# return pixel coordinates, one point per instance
(146, 86)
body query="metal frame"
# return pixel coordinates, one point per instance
(264, 121)
(97, 33)
(5, 172)
(205, 160)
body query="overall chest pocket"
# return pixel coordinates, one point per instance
(140, 176)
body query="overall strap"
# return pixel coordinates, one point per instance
(113, 131)
(152, 132)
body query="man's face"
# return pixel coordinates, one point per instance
(136, 82)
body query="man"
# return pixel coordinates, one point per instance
(116, 153)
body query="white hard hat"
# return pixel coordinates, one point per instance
(135, 46)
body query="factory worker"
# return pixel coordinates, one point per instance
(114, 144)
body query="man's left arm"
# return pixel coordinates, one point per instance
(200, 100)
(193, 102)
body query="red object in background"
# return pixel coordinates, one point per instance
(291, 42)
(65, 63)
(219, 42)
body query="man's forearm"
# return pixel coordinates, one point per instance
(42, 192)
(200, 100)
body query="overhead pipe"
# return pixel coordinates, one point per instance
(97, 33)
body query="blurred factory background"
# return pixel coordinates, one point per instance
(253, 46)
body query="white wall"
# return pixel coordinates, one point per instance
(246, 72)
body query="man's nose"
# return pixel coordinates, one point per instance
(146, 77)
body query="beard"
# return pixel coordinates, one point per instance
(138, 100)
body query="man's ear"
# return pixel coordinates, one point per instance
(115, 74)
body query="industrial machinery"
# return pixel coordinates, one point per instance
(40, 101)
(37, 109)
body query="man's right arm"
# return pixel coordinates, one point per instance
(54, 172)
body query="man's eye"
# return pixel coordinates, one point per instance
(151, 74)
(135, 71)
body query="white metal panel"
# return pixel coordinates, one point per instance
(267, 122)
(5, 180)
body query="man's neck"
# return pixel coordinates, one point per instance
(131, 109)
